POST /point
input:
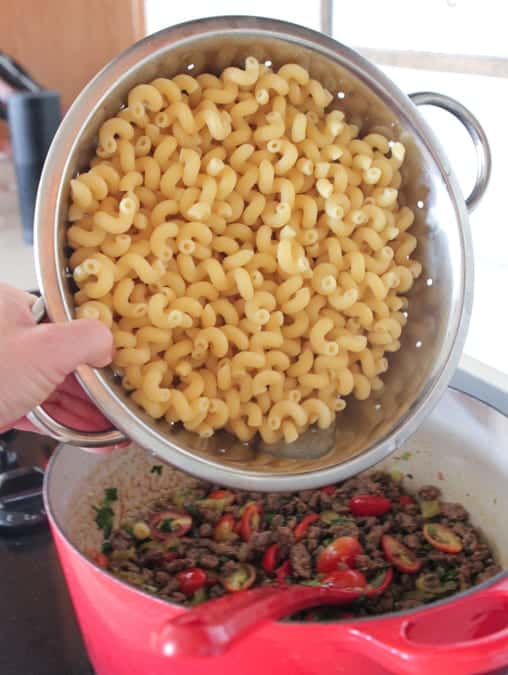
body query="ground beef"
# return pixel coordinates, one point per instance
(205, 530)
(407, 522)
(429, 492)
(209, 561)
(453, 511)
(301, 561)
(260, 541)
(148, 564)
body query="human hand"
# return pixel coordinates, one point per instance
(36, 362)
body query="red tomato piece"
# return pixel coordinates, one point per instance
(369, 505)
(240, 579)
(270, 558)
(303, 525)
(167, 524)
(406, 500)
(399, 555)
(328, 489)
(191, 580)
(224, 495)
(380, 583)
(225, 528)
(442, 538)
(284, 571)
(346, 579)
(100, 559)
(341, 550)
(251, 518)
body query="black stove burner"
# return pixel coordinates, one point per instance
(39, 634)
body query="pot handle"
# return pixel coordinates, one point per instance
(475, 131)
(459, 637)
(51, 427)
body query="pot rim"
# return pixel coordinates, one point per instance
(51, 280)
(55, 522)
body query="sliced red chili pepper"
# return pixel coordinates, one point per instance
(167, 524)
(346, 579)
(442, 538)
(100, 559)
(380, 583)
(284, 571)
(225, 528)
(303, 525)
(328, 489)
(191, 580)
(399, 555)
(406, 500)
(369, 505)
(251, 518)
(225, 496)
(240, 579)
(341, 550)
(270, 558)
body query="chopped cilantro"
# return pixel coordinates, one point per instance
(106, 547)
(104, 519)
(406, 455)
(104, 512)
(110, 494)
(326, 541)
(192, 509)
(311, 582)
(166, 525)
(269, 517)
(156, 468)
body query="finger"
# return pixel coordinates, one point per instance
(62, 347)
(15, 309)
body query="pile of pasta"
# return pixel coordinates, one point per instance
(246, 248)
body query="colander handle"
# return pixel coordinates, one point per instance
(51, 427)
(475, 131)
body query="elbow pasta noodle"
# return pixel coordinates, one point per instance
(246, 247)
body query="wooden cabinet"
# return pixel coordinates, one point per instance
(64, 43)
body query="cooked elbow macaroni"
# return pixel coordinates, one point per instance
(247, 249)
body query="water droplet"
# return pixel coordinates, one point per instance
(191, 66)
(341, 94)
(420, 204)
(268, 63)
(419, 344)
(429, 282)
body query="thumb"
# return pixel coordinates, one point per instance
(61, 347)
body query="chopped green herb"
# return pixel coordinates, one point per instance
(269, 517)
(406, 455)
(110, 494)
(106, 547)
(192, 509)
(104, 519)
(156, 468)
(167, 525)
(311, 582)
(128, 529)
(326, 541)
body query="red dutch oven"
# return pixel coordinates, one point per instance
(464, 443)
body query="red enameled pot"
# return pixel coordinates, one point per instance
(463, 445)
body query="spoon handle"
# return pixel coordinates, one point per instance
(214, 626)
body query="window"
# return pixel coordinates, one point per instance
(456, 47)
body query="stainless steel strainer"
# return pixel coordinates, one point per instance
(440, 302)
